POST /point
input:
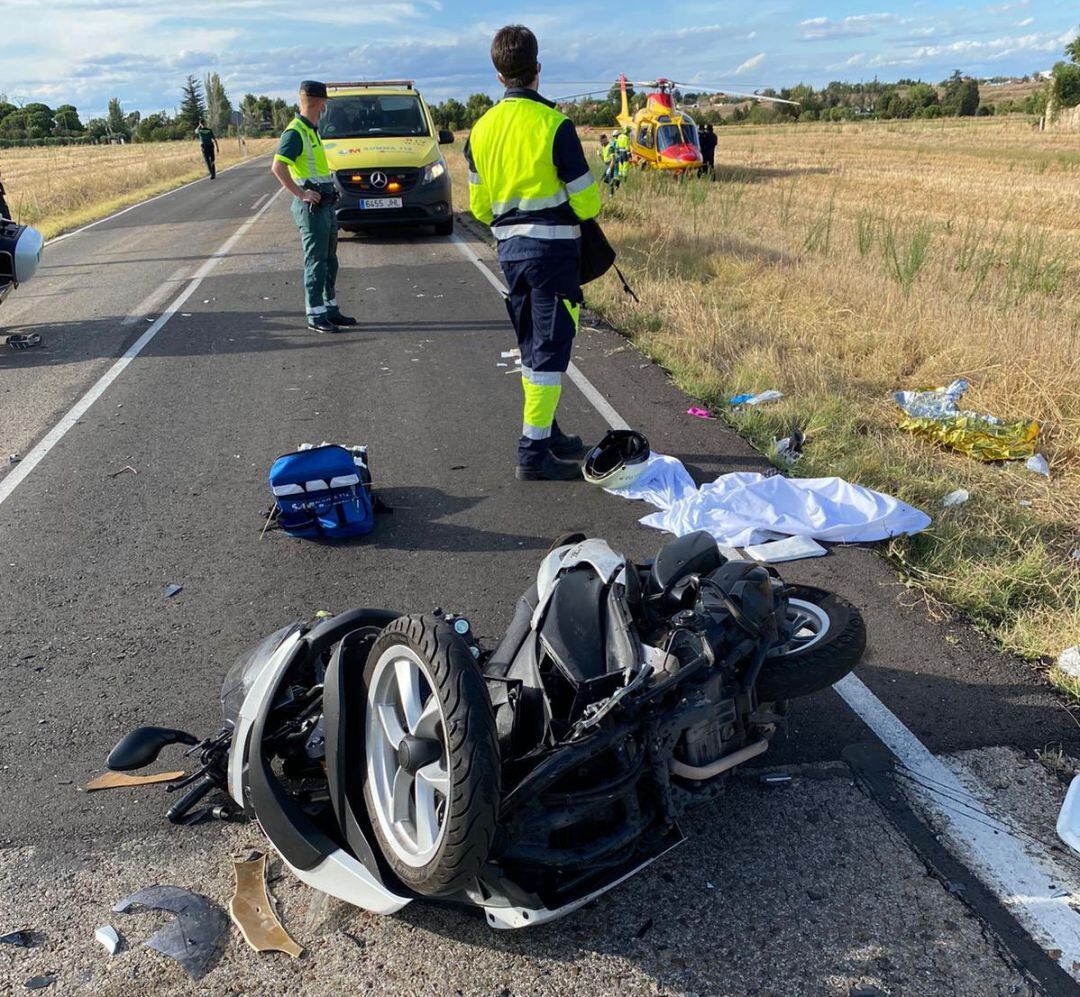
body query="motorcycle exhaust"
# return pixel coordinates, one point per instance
(713, 769)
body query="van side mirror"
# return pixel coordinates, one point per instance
(446, 137)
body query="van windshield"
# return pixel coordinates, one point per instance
(373, 116)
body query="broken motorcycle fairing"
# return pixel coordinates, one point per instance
(390, 758)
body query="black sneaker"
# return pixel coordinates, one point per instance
(338, 319)
(320, 323)
(565, 445)
(551, 468)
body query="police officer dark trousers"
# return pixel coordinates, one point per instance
(301, 168)
(529, 180)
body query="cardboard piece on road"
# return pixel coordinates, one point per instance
(120, 780)
(253, 914)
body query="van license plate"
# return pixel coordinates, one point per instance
(380, 202)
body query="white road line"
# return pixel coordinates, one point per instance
(584, 385)
(1020, 882)
(1019, 879)
(21, 470)
(154, 298)
(139, 204)
(259, 200)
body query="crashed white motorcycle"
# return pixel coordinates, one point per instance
(389, 758)
(20, 254)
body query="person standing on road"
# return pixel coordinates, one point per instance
(300, 167)
(529, 180)
(210, 148)
(707, 138)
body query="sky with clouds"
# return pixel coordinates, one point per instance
(86, 51)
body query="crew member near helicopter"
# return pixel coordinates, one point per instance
(300, 167)
(529, 180)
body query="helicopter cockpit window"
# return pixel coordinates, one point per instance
(690, 134)
(667, 135)
(645, 136)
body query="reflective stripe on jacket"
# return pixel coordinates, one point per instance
(528, 175)
(311, 164)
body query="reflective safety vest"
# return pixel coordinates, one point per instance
(528, 175)
(623, 141)
(605, 152)
(311, 163)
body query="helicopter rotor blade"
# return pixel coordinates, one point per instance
(745, 94)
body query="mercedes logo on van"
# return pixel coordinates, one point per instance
(378, 179)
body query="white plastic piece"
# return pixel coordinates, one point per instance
(1069, 661)
(958, 497)
(791, 549)
(1038, 464)
(108, 936)
(1068, 822)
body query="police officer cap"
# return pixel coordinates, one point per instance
(313, 88)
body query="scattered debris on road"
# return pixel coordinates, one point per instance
(774, 778)
(698, 412)
(172, 589)
(40, 982)
(193, 938)
(935, 413)
(108, 936)
(124, 780)
(1068, 822)
(17, 342)
(253, 913)
(14, 458)
(123, 470)
(645, 928)
(791, 549)
(957, 497)
(24, 938)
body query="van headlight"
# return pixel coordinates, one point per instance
(433, 171)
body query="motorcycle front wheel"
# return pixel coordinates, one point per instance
(828, 638)
(431, 779)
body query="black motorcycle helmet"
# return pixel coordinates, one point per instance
(618, 460)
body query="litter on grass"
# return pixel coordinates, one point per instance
(936, 414)
(1038, 464)
(771, 395)
(1069, 662)
(958, 497)
(789, 449)
(698, 412)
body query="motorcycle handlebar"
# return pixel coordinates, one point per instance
(179, 810)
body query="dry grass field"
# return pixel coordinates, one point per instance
(838, 262)
(59, 188)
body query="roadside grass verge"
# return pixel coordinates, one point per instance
(56, 189)
(838, 263)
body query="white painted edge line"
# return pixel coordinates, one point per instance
(1018, 879)
(583, 384)
(15, 477)
(154, 298)
(259, 200)
(139, 204)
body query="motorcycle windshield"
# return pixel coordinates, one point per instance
(245, 670)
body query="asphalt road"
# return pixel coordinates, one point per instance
(90, 646)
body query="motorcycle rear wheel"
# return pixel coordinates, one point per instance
(431, 767)
(828, 643)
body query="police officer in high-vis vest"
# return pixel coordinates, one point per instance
(301, 168)
(529, 180)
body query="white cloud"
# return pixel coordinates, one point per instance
(1025, 22)
(750, 64)
(852, 26)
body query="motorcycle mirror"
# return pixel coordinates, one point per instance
(140, 747)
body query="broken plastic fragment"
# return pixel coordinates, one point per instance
(958, 497)
(771, 395)
(121, 780)
(1038, 464)
(193, 937)
(40, 982)
(108, 936)
(774, 778)
(1068, 822)
(698, 412)
(23, 939)
(171, 590)
(253, 914)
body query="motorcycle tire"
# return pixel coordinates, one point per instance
(799, 669)
(443, 848)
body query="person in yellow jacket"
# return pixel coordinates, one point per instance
(529, 180)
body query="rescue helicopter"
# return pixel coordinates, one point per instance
(662, 135)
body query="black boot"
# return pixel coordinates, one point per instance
(564, 445)
(551, 468)
(338, 319)
(320, 323)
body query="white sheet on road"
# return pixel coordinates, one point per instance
(747, 508)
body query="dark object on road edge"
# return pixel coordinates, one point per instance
(620, 695)
(645, 928)
(193, 938)
(40, 982)
(17, 342)
(23, 939)
(140, 747)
